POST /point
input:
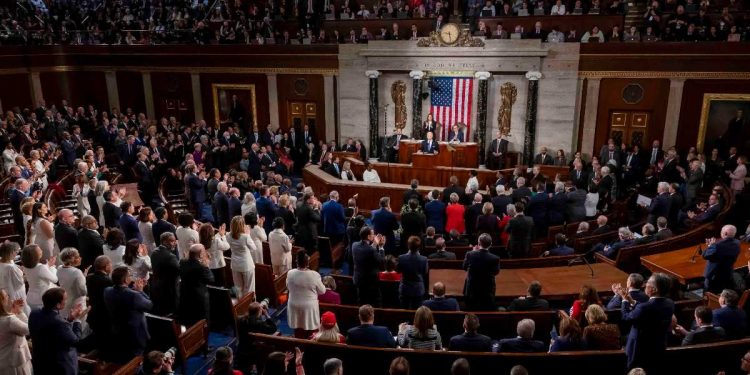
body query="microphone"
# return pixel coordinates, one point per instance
(698, 251)
(584, 258)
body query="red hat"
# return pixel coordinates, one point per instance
(328, 320)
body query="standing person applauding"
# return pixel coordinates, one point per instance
(304, 288)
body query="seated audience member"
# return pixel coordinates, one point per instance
(705, 332)
(647, 234)
(704, 213)
(55, 337)
(390, 273)
(333, 366)
(441, 252)
(429, 237)
(519, 370)
(598, 334)
(525, 342)
(601, 225)
(460, 367)
(729, 316)
(634, 285)
(470, 340)
(330, 296)
(588, 296)
(399, 366)
(570, 336)
(530, 302)
(257, 320)
(583, 229)
(662, 230)
(439, 302)
(610, 251)
(156, 363)
(224, 362)
(370, 174)
(456, 240)
(560, 247)
(329, 330)
(422, 333)
(367, 334)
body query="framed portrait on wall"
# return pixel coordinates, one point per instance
(724, 123)
(234, 103)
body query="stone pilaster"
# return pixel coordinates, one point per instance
(273, 100)
(672, 120)
(195, 83)
(479, 133)
(416, 103)
(113, 95)
(589, 117)
(148, 95)
(531, 104)
(374, 112)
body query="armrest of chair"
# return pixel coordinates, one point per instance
(602, 258)
(712, 300)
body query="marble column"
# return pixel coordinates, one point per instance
(273, 99)
(148, 95)
(36, 88)
(416, 103)
(330, 104)
(113, 95)
(374, 112)
(479, 133)
(589, 117)
(672, 119)
(531, 103)
(195, 84)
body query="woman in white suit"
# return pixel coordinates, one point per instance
(304, 286)
(11, 276)
(738, 176)
(242, 247)
(15, 357)
(258, 235)
(40, 276)
(280, 246)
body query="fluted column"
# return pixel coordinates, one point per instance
(416, 103)
(479, 134)
(373, 76)
(531, 102)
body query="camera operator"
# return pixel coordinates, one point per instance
(156, 362)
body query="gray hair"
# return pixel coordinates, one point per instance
(662, 186)
(625, 232)
(331, 366)
(604, 170)
(521, 181)
(510, 209)
(525, 328)
(559, 186)
(728, 231)
(583, 226)
(500, 189)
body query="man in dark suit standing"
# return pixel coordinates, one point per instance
(669, 171)
(544, 158)
(384, 222)
(196, 184)
(65, 234)
(575, 204)
(146, 183)
(128, 223)
(413, 269)
(610, 152)
(166, 275)
(412, 223)
(368, 255)
(660, 204)
(334, 220)
(655, 153)
(720, 256)
(434, 212)
(237, 112)
(472, 213)
(498, 148)
(651, 321)
(520, 229)
(98, 319)
(413, 193)
(234, 203)
(394, 143)
(633, 285)
(55, 337)
(579, 176)
(453, 188)
(470, 340)
(128, 152)
(429, 146)
(221, 205)
(367, 334)
(90, 242)
(266, 209)
(729, 316)
(126, 309)
(15, 196)
(111, 211)
(521, 192)
(194, 277)
(481, 267)
(161, 225)
(662, 231)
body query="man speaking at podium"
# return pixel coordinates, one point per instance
(429, 146)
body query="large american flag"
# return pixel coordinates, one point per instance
(451, 103)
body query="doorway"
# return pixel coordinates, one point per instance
(629, 127)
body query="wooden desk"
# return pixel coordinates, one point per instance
(465, 155)
(558, 283)
(678, 265)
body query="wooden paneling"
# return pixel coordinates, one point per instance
(655, 96)
(16, 91)
(78, 87)
(173, 95)
(261, 94)
(664, 56)
(290, 89)
(692, 101)
(130, 89)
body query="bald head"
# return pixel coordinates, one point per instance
(438, 289)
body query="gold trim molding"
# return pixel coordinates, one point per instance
(662, 74)
(173, 69)
(707, 99)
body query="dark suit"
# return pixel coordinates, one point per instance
(221, 209)
(455, 137)
(575, 208)
(615, 247)
(447, 255)
(129, 226)
(529, 304)
(384, 222)
(126, 309)
(367, 261)
(370, 335)
(442, 304)
(197, 191)
(65, 236)
(450, 190)
(166, 274)
(90, 244)
(580, 179)
(709, 214)
(500, 204)
(15, 197)
(413, 194)
(521, 194)
(647, 340)
(434, 212)
(520, 345)
(128, 154)
(55, 341)
(112, 215)
(733, 320)
(616, 301)
(545, 159)
(479, 288)
(160, 227)
(601, 230)
(704, 335)
(429, 147)
(649, 156)
(537, 210)
(721, 257)
(470, 342)
(520, 230)
(676, 202)
(235, 208)
(669, 172)
(497, 145)
(413, 269)
(663, 234)
(470, 218)
(194, 277)
(98, 318)
(266, 209)
(307, 227)
(561, 250)
(556, 208)
(659, 207)
(412, 224)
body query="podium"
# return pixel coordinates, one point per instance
(464, 156)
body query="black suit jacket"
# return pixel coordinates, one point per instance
(470, 342)
(112, 215)
(704, 335)
(519, 345)
(89, 246)
(160, 227)
(166, 273)
(194, 277)
(371, 335)
(544, 160)
(429, 148)
(98, 318)
(660, 206)
(580, 179)
(65, 236)
(479, 288)
(520, 229)
(529, 304)
(648, 335)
